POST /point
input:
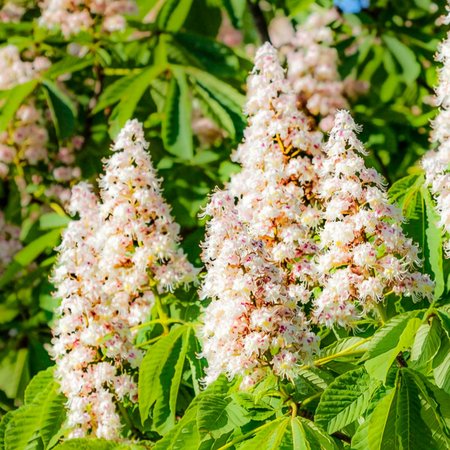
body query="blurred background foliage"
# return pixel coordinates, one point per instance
(175, 72)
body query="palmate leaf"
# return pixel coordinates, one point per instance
(269, 437)
(212, 108)
(62, 109)
(395, 336)
(405, 57)
(235, 10)
(39, 385)
(160, 378)
(173, 14)
(306, 435)
(23, 427)
(227, 96)
(218, 414)
(441, 366)
(435, 407)
(345, 400)
(285, 433)
(212, 56)
(96, 444)
(186, 433)
(170, 379)
(3, 426)
(349, 346)
(53, 415)
(12, 100)
(131, 96)
(114, 92)
(434, 253)
(412, 430)
(397, 421)
(176, 129)
(426, 343)
(378, 432)
(40, 417)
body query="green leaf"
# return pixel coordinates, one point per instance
(435, 244)
(315, 437)
(396, 421)
(212, 413)
(412, 430)
(176, 129)
(183, 436)
(173, 14)
(43, 413)
(144, 7)
(212, 108)
(115, 91)
(406, 193)
(149, 386)
(315, 377)
(39, 385)
(195, 362)
(62, 109)
(426, 343)
(235, 10)
(395, 336)
(14, 371)
(444, 317)
(218, 414)
(345, 400)
(88, 444)
(169, 381)
(53, 415)
(405, 57)
(68, 64)
(435, 408)
(210, 55)
(441, 366)
(22, 427)
(29, 253)
(227, 95)
(53, 220)
(268, 437)
(349, 346)
(6, 419)
(130, 98)
(378, 432)
(14, 98)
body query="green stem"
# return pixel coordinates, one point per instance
(161, 314)
(150, 341)
(346, 352)
(311, 399)
(382, 312)
(157, 321)
(294, 409)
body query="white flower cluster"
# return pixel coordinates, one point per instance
(312, 63)
(73, 16)
(303, 234)
(364, 254)
(113, 260)
(25, 144)
(9, 242)
(437, 162)
(25, 140)
(255, 319)
(14, 70)
(11, 12)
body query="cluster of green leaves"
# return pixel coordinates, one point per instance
(384, 384)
